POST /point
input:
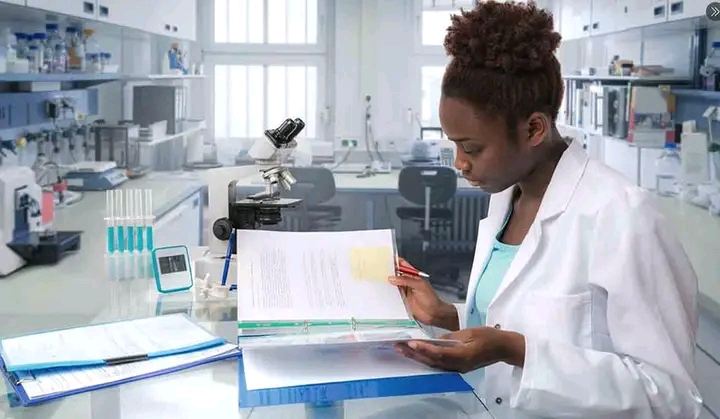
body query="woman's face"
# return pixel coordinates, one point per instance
(487, 157)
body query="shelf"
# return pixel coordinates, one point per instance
(85, 80)
(630, 79)
(67, 80)
(157, 77)
(696, 93)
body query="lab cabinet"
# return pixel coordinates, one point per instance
(609, 16)
(176, 19)
(77, 8)
(575, 19)
(684, 9)
(172, 18)
(647, 12)
(182, 225)
(122, 13)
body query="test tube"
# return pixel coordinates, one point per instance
(130, 208)
(120, 228)
(110, 221)
(140, 229)
(149, 219)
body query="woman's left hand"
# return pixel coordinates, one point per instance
(479, 347)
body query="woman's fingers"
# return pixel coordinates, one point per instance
(407, 281)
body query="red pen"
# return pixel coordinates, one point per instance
(412, 272)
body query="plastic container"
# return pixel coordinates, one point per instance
(76, 49)
(21, 45)
(105, 61)
(56, 44)
(93, 64)
(667, 171)
(43, 63)
(34, 59)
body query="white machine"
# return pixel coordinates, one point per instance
(24, 239)
(229, 209)
(95, 176)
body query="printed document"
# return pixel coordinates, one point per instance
(64, 381)
(157, 336)
(317, 276)
(298, 366)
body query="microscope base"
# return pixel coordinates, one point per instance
(44, 248)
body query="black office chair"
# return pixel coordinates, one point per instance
(315, 186)
(430, 187)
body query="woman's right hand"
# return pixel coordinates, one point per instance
(424, 303)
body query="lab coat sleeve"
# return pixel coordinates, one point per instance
(651, 320)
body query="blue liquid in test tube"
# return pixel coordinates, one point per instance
(110, 221)
(140, 229)
(120, 228)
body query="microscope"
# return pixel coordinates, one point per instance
(229, 209)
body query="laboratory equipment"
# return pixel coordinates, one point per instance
(667, 171)
(710, 69)
(26, 236)
(172, 269)
(161, 103)
(232, 210)
(377, 163)
(76, 49)
(121, 144)
(201, 152)
(95, 176)
(129, 219)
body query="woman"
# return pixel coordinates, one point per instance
(588, 298)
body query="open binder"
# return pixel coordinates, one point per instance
(300, 288)
(32, 388)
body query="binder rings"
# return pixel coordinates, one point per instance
(19, 382)
(361, 389)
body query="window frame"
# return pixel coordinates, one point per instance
(420, 48)
(210, 46)
(419, 62)
(318, 61)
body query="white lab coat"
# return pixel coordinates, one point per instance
(605, 297)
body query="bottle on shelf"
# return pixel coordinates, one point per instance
(667, 171)
(57, 45)
(34, 59)
(21, 45)
(76, 49)
(39, 40)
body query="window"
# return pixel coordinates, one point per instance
(431, 79)
(248, 99)
(435, 19)
(266, 22)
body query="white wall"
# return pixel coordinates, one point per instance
(374, 55)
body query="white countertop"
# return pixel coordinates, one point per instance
(78, 283)
(700, 235)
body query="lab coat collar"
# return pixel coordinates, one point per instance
(557, 197)
(564, 181)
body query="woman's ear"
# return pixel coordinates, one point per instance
(539, 128)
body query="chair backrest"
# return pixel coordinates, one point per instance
(314, 186)
(441, 180)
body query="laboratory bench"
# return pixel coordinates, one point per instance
(77, 285)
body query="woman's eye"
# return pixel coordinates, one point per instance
(471, 151)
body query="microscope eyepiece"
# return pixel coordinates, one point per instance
(286, 132)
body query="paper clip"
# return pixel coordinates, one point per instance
(306, 326)
(353, 324)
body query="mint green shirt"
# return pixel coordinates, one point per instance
(493, 272)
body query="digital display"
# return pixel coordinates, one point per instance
(172, 264)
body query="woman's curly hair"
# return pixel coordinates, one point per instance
(503, 61)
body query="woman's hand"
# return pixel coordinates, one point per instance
(479, 347)
(424, 303)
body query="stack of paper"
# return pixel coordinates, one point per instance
(317, 309)
(48, 365)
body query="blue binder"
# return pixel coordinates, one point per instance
(21, 398)
(103, 362)
(322, 394)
